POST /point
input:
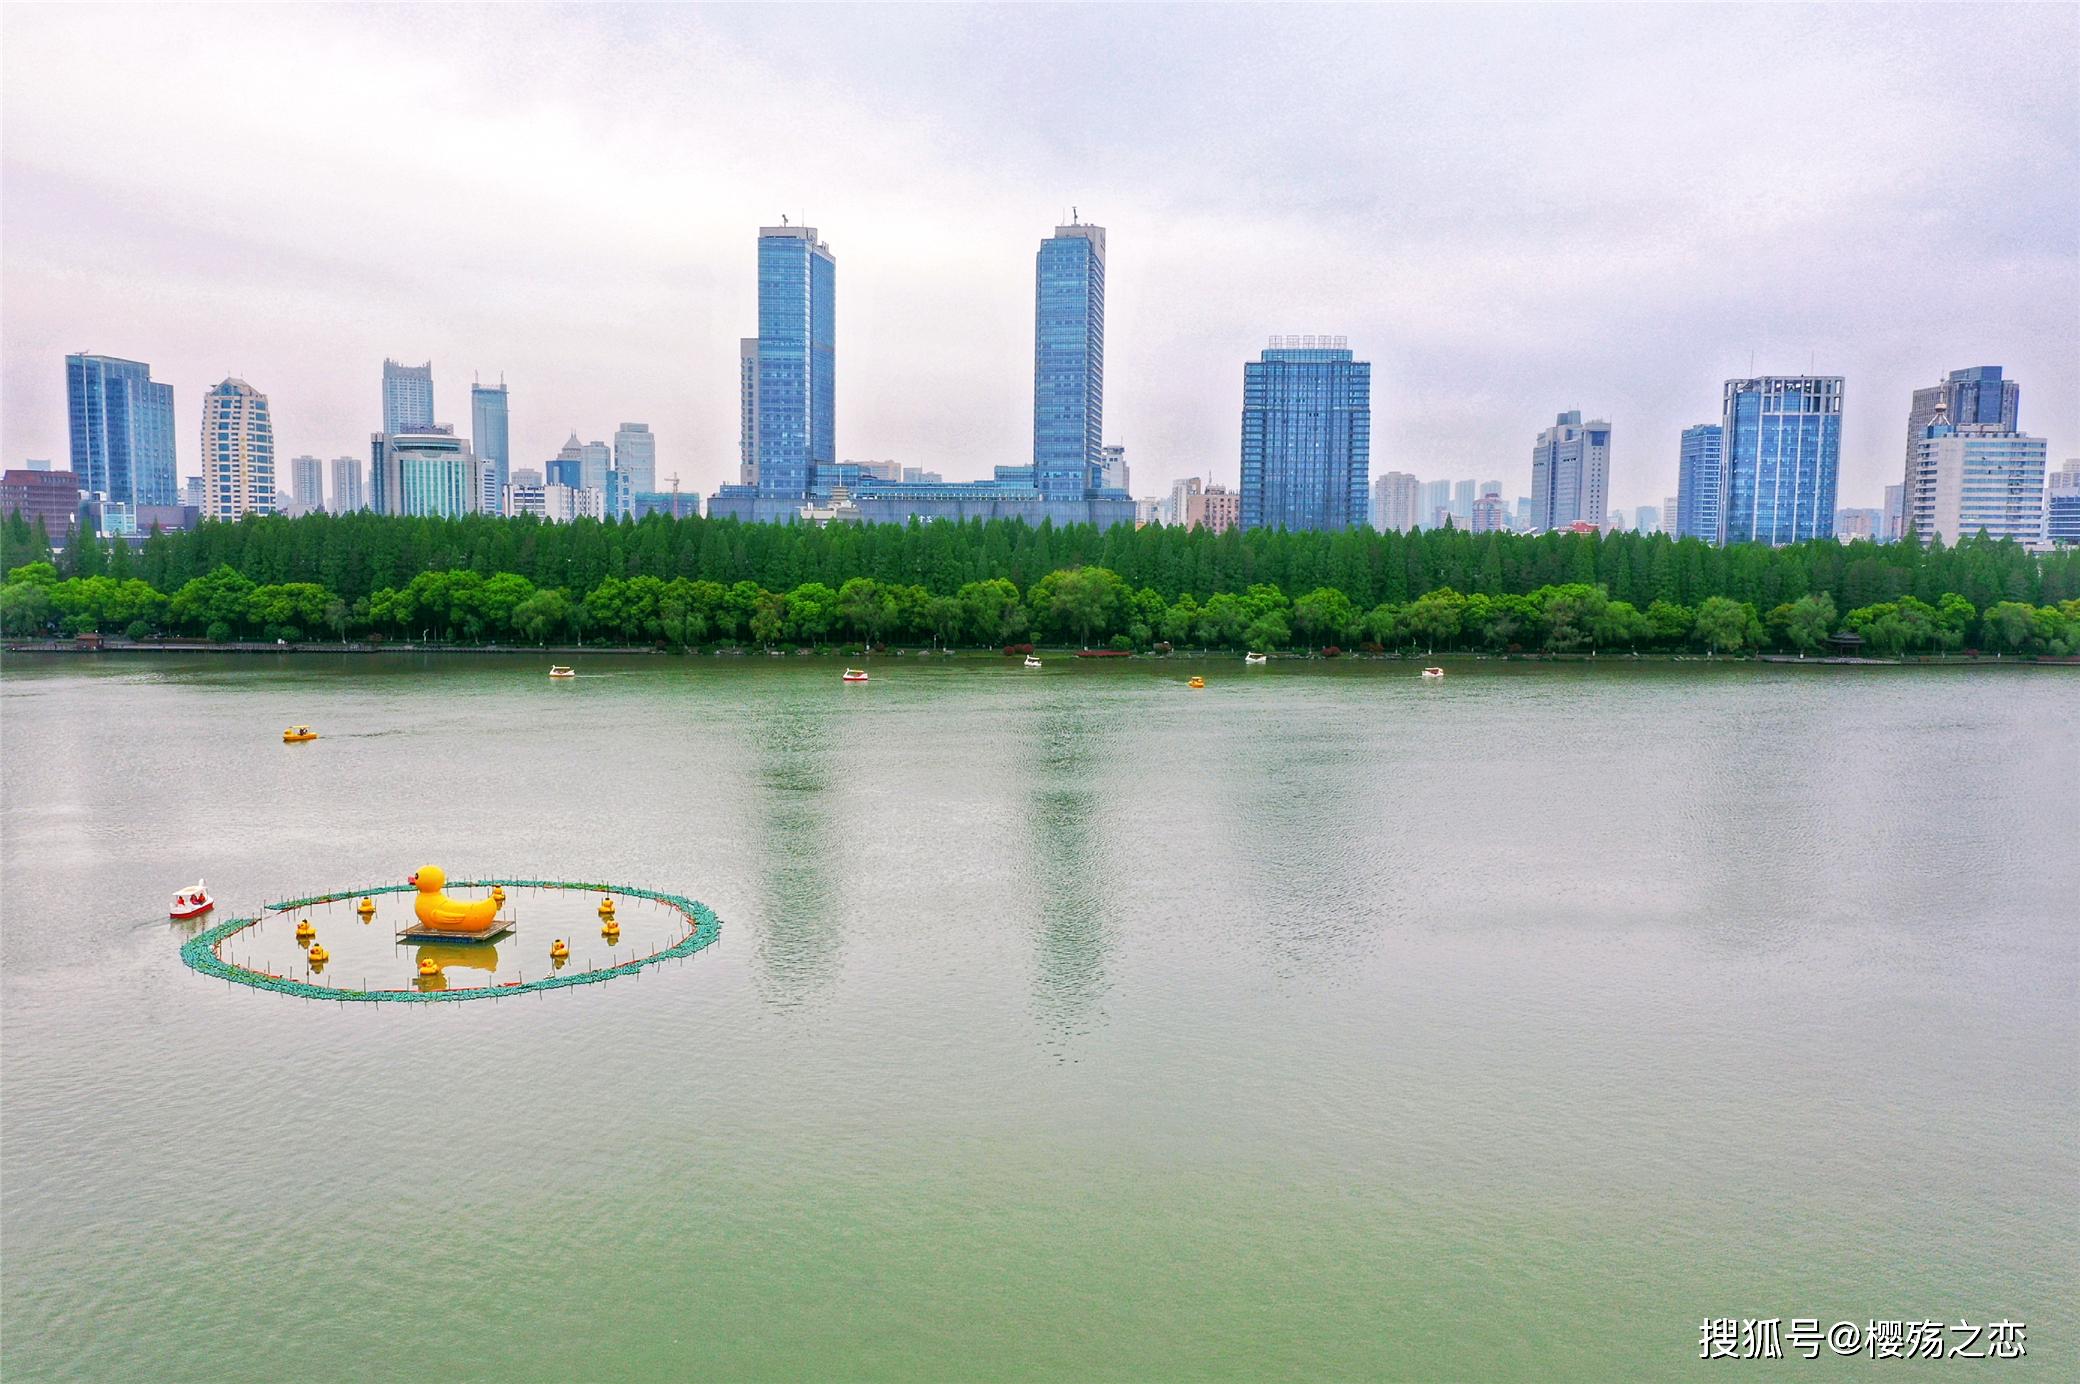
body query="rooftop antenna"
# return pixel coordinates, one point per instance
(783, 218)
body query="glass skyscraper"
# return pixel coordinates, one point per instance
(122, 430)
(1570, 473)
(791, 399)
(1306, 436)
(1069, 362)
(1783, 446)
(407, 397)
(489, 439)
(1697, 482)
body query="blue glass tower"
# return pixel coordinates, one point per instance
(1697, 482)
(795, 390)
(122, 429)
(489, 438)
(1306, 436)
(1069, 362)
(1783, 445)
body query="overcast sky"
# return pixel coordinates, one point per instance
(1508, 211)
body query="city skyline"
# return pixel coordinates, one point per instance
(939, 324)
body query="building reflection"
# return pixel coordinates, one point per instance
(1073, 923)
(791, 752)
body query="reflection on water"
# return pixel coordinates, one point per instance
(1070, 750)
(799, 944)
(365, 953)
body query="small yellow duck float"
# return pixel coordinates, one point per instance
(296, 735)
(443, 914)
(304, 931)
(319, 956)
(428, 966)
(558, 951)
(366, 908)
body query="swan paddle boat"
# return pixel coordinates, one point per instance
(296, 735)
(1256, 660)
(192, 902)
(558, 670)
(1433, 672)
(855, 675)
(1032, 662)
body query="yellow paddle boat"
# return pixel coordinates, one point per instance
(319, 956)
(606, 907)
(558, 951)
(1196, 682)
(443, 914)
(610, 929)
(296, 735)
(428, 966)
(304, 931)
(366, 908)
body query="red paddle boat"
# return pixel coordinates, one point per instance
(191, 902)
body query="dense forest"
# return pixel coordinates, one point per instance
(697, 581)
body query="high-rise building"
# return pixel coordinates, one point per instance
(1490, 512)
(237, 451)
(1523, 516)
(1697, 482)
(1069, 361)
(1433, 504)
(1895, 521)
(1782, 448)
(1615, 523)
(407, 397)
(1220, 509)
(1178, 507)
(1858, 524)
(1395, 497)
(195, 491)
(1974, 396)
(1570, 472)
(1462, 503)
(122, 429)
(635, 457)
(490, 438)
(306, 485)
(1112, 467)
(1978, 395)
(430, 471)
(794, 391)
(587, 464)
(747, 411)
(348, 491)
(52, 496)
(1975, 478)
(1646, 519)
(1670, 507)
(1306, 435)
(2062, 505)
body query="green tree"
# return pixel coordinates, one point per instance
(1727, 626)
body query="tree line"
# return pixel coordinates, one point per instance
(696, 581)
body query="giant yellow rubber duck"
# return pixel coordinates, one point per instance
(443, 914)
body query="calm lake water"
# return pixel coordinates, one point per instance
(1063, 1025)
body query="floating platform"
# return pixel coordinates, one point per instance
(422, 933)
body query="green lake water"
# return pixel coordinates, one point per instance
(1064, 1025)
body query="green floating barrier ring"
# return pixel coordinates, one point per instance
(200, 951)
